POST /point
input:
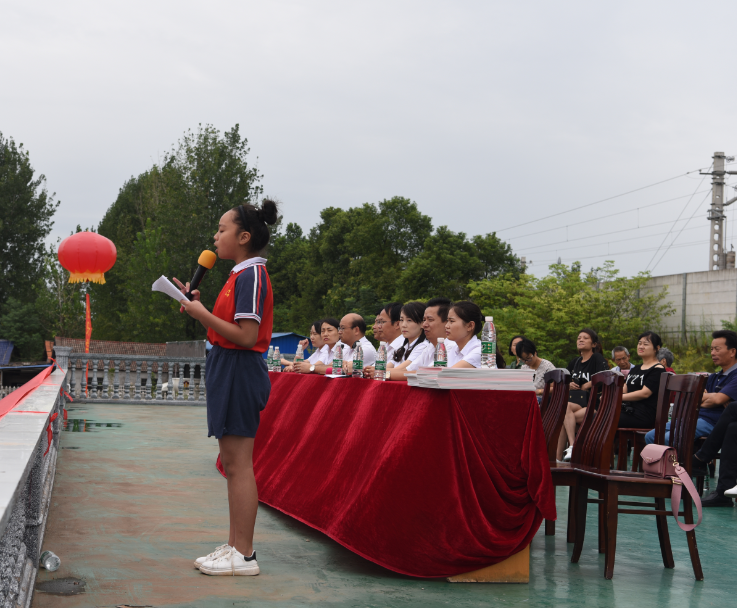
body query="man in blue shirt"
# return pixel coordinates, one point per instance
(721, 388)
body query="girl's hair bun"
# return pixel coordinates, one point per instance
(250, 218)
(269, 212)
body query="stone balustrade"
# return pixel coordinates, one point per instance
(136, 379)
(29, 443)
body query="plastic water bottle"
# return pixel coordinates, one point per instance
(270, 359)
(50, 561)
(441, 355)
(488, 344)
(299, 355)
(338, 360)
(380, 365)
(358, 361)
(277, 360)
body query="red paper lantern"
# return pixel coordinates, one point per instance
(87, 256)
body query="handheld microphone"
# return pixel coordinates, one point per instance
(204, 263)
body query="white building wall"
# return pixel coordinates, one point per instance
(710, 297)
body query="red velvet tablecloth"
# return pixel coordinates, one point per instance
(424, 482)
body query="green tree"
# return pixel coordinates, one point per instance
(205, 174)
(350, 262)
(449, 261)
(26, 212)
(59, 304)
(288, 269)
(552, 309)
(149, 317)
(20, 324)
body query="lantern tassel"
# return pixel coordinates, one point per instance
(84, 277)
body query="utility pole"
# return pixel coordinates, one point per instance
(717, 256)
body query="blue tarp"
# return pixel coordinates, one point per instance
(22, 367)
(287, 342)
(6, 349)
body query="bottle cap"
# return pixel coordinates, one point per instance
(441, 340)
(489, 318)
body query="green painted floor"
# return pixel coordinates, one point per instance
(137, 498)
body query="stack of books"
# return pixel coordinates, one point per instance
(473, 378)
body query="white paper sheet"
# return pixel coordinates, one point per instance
(164, 285)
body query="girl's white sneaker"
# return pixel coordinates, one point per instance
(731, 493)
(231, 563)
(210, 556)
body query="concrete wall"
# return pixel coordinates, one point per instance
(710, 297)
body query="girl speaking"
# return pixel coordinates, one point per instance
(238, 386)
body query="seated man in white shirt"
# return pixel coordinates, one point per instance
(433, 323)
(353, 331)
(464, 322)
(386, 328)
(329, 333)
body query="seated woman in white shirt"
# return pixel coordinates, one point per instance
(414, 345)
(329, 335)
(464, 322)
(315, 339)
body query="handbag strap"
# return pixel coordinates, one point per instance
(675, 497)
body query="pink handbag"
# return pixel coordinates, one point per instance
(661, 461)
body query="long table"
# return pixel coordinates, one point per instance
(429, 483)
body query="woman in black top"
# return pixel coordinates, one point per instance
(640, 398)
(590, 362)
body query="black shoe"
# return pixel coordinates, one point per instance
(715, 499)
(699, 467)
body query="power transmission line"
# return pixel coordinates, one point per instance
(601, 217)
(679, 234)
(528, 252)
(604, 255)
(604, 200)
(592, 236)
(679, 217)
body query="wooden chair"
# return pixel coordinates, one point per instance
(563, 472)
(553, 410)
(611, 484)
(553, 407)
(636, 437)
(627, 438)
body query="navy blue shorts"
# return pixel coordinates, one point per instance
(238, 388)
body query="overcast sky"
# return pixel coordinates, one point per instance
(488, 114)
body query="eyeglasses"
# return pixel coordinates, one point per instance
(379, 322)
